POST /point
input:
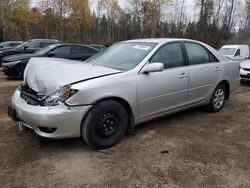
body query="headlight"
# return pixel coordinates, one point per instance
(60, 96)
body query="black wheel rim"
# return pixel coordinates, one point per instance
(107, 125)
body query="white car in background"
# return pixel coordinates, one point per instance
(245, 70)
(235, 52)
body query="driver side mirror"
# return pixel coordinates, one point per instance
(25, 47)
(153, 67)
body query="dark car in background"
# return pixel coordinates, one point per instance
(27, 47)
(9, 44)
(15, 65)
(98, 46)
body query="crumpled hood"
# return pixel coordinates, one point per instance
(18, 57)
(47, 75)
(245, 64)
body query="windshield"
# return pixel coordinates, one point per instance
(227, 51)
(122, 56)
(21, 45)
(45, 49)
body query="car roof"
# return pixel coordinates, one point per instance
(43, 40)
(165, 40)
(160, 40)
(233, 46)
(74, 44)
(71, 44)
(96, 45)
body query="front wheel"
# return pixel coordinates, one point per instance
(218, 99)
(105, 124)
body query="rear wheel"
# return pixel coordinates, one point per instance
(105, 124)
(218, 99)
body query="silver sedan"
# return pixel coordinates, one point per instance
(124, 85)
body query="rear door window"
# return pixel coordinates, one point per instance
(34, 44)
(197, 54)
(81, 50)
(44, 44)
(13, 44)
(64, 50)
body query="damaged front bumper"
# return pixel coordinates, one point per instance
(55, 122)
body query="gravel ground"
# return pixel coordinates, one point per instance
(189, 149)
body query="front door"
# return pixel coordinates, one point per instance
(164, 91)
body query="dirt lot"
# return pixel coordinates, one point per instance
(189, 149)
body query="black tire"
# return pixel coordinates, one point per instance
(218, 99)
(105, 124)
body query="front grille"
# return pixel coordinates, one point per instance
(31, 96)
(246, 69)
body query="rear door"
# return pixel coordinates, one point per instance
(204, 72)
(161, 92)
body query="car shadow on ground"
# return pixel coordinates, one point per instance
(166, 120)
(10, 78)
(78, 143)
(245, 83)
(56, 144)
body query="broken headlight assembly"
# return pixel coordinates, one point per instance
(60, 96)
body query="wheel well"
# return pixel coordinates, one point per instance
(127, 107)
(227, 86)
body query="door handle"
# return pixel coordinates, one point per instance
(183, 75)
(217, 69)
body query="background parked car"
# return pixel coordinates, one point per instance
(97, 46)
(15, 65)
(27, 47)
(9, 44)
(245, 70)
(235, 52)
